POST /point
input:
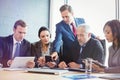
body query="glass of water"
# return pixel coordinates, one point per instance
(88, 66)
(1, 65)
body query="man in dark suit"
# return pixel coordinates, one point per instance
(0, 49)
(84, 47)
(8, 45)
(65, 33)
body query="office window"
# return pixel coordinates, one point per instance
(55, 15)
(34, 12)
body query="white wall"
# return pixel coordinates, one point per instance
(55, 15)
(95, 12)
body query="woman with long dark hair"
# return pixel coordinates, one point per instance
(42, 48)
(112, 34)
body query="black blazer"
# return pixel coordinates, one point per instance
(7, 49)
(93, 49)
(36, 51)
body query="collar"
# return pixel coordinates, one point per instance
(15, 41)
(73, 22)
(86, 43)
(83, 45)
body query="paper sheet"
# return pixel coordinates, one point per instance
(20, 62)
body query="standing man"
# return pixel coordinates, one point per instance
(15, 44)
(65, 32)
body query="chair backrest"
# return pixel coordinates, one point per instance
(103, 42)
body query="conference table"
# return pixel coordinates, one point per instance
(24, 75)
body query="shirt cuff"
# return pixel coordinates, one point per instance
(81, 65)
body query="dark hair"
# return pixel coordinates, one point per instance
(115, 28)
(66, 7)
(19, 22)
(43, 28)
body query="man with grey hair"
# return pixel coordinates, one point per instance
(84, 47)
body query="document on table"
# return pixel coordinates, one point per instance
(19, 63)
(79, 76)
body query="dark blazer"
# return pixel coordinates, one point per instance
(36, 50)
(64, 36)
(7, 49)
(1, 43)
(93, 49)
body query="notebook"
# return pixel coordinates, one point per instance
(47, 71)
(19, 63)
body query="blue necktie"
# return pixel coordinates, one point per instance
(79, 59)
(80, 53)
(81, 49)
(17, 50)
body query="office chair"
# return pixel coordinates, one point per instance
(103, 42)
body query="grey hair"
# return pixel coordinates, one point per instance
(86, 27)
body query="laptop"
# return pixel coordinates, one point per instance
(111, 76)
(72, 69)
(19, 63)
(47, 71)
(76, 69)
